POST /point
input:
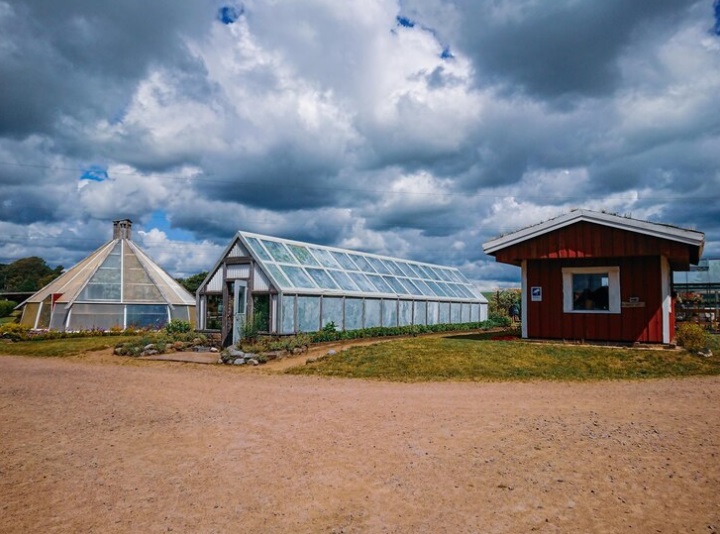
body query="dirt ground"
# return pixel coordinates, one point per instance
(110, 444)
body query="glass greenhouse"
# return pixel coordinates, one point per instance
(117, 286)
(288, 286)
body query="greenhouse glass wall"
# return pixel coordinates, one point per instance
(280, 286)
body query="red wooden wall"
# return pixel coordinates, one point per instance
(639, 277)
(588, 240)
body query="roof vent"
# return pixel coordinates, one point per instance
(122, 229)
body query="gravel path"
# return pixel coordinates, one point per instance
(106, 444)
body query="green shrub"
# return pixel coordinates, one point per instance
(692, 337)
(178, 326)
(14, 331)
(7, 307)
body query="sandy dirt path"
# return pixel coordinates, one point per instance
(116, 445)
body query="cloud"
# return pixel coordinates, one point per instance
(418, 128)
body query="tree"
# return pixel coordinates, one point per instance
(501, 300)
(192, 283)
(28, 274)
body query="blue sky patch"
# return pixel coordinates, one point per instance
(446, 53)
(716, 8)
(94, 173)
(229, 14)
(159, 220)
(405, 22)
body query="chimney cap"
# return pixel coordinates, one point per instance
(122, 229)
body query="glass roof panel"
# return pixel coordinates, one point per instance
(344, 281)
(379, 265)
(258, 249)
(449, 289)
(412, 288)
(362, 263)
(279, 252)
(362, 282)
(382, 285)
(417, 272)
(325, 258)
(303, 255)
(395, 284)
(297, 276)
(322, 278)
(309, 268)
(278, 275)
(344, 260)
(425, 288)
(437, 289)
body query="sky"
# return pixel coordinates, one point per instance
(411, 128)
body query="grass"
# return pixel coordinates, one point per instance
(475, 357)
(62, 347)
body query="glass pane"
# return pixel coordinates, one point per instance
(297, 276)
(344, 260)
(449, 289)
(363, 264)
(389, 313)
(279, 252)
(353, 314)
(417, 272)
(258, 249)
(344, 281)
(432, 312)
(432, 273)
(455, 312)
(363, 283)
(288, 314)
(444, 312)
(396, 285)
(407, 271)
(97, 316)
(308, 314)
(425, 288)
(394, 268)
(332, 311)
(325, 258)
(379, 265)
(437, 289)
(425, 272)
(444, 274)
(405, 317)
(412, 288)
(105, 284)
(380, 284)
(322, 278)
(303, 255)
(372, 313)
(279, 276)
(420, 312)
(147, 316)
(590, 291)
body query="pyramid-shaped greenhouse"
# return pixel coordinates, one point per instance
(117, 286)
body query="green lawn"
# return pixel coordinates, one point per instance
(477, 357)
(62, 347)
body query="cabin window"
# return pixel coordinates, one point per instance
(591, 289)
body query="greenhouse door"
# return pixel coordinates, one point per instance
(239, 309)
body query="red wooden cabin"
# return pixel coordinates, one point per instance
(598, 277)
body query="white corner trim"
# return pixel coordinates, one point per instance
(523, 300)
(665, 276)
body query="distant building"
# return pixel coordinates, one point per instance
(117, 286)
(286, 286)
(598, 277)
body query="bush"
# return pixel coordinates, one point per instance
(178, 326)
(14, 331)
(7, 307)
(692, 337)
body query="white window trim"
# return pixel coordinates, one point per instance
(613, 273)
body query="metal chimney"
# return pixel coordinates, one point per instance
(122, 229)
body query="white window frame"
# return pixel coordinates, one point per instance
(614, 303)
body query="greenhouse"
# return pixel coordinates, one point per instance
(280, 286)
(117, 286)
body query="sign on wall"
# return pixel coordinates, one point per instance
(536, 294)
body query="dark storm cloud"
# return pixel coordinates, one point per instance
(81, 58)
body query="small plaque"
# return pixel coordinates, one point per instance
(536, 294)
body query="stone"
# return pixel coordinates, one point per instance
(233, 351)
(239, 361)
(149, 346)
(253, 361)
(332, 352)
(213, 349)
